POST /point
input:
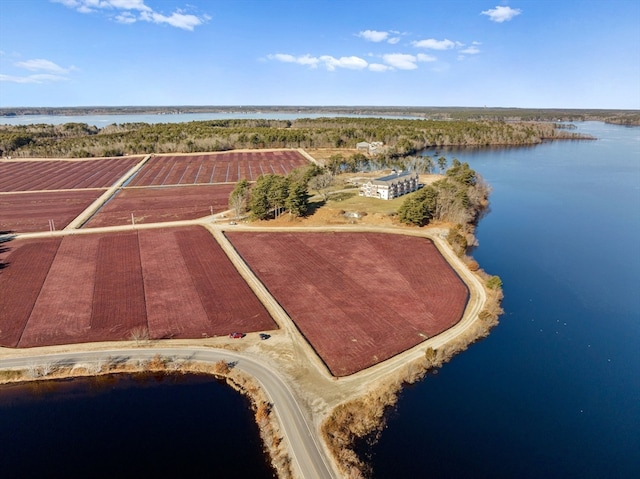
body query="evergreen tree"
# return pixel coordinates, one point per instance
(298, 200)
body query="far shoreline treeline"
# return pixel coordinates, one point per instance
(618, 116)
(400, 137)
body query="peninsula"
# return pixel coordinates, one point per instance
(320, 355)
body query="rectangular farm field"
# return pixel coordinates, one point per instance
(225, 167)
(358, 298)
(167, 283)
(156, 205)
(36, 175)
(31, 212)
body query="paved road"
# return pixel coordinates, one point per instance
(308, 455)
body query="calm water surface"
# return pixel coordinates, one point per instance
(144, 426)
(554, 391)
(103, 120)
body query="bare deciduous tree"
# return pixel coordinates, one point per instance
(321, 183)
(139, 334)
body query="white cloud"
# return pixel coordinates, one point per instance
(373, 35)
(351, 63)
(405, 61)
(176, 19)
(46, 71)
(126, 17)
(433, 44)
(37, 78)
(377, 36)
(390, 61)
(423, 57)
(302, 60)
(132, 11)
(502, 14)
(328, 61)
(472, 50)
(379, 67)
(40, 64)
(401, 61)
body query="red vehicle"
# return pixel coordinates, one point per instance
(236, 335)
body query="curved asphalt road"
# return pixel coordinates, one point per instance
(308, 456)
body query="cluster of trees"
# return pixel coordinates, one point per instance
(458, 198)
(272, 195)
(402, 137)
(358, 162)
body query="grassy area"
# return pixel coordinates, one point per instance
(350, 201)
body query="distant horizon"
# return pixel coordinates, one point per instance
(310, 106)
(522, 54)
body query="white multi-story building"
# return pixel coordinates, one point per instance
(390, 186)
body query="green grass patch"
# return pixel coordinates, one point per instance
(362, 203)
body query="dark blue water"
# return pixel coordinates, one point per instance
(554, 391)
(144, 426)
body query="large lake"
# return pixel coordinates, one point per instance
(103, 120)
(554, 391)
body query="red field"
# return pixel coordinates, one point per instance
(227, 167)
(31, 212)
(173, 282)
(63, 174)
(358, 298)
(154, 205)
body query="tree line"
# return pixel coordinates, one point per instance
(400, 136)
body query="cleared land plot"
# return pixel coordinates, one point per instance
(358, 298)
(227, 167)
(63, 174)
(156, 205)
(31, 212)
(173, 283)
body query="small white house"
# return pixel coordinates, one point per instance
(390, 186)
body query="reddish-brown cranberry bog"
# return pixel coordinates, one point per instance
(358, 298)
(226, 167)
(173, 282)
(32, 212)
(159, 205)
(63, 174)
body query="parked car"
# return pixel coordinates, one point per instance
(264, 336)
(236, 335)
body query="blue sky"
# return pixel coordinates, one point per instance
(529, 54)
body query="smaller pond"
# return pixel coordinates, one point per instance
(129, 426)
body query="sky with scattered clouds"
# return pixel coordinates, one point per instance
(529, 53)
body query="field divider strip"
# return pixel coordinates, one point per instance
(308, 156)
(97, 204)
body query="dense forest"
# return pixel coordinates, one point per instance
(401, 137)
